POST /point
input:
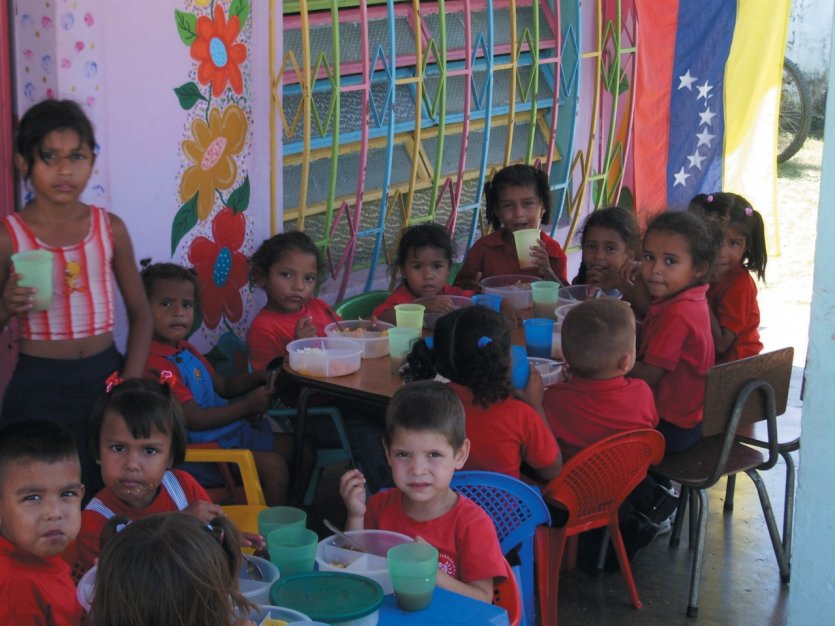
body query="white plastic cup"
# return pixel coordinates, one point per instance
(36, 268)
(526, 238)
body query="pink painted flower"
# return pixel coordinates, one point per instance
(46, 21)
(79, 46)
(66, 64)
(88, 19)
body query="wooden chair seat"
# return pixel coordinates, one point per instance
(697, 464)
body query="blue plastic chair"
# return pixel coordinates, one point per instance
(518, 513)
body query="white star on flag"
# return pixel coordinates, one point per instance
(704, 90)
(681, 177)
(707, 117)
(696, 160)
(686, 81)
(704, 138)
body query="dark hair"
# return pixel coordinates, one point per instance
(519, 175)
(731, 209)
(702, 238)
(144, 405)
(152, 272)
(46, 117)
(596, 333)
(423, 236)
(272, 249)
(615, 218)
(169, 568)
(36, 440)
(426, 405)
(471, 347)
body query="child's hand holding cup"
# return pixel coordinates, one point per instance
(35, 267)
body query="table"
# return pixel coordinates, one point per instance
(447, 609)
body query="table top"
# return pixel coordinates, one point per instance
(447, 609)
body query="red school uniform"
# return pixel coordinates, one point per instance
(404, 295)
(495, 254)
(734, 301)
(177, 491)
(675, 336)
(36, 590)
(465, 536)
(505, 434)
(582, 411)
(270, 331)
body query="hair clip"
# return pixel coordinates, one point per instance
(430, 342)
(749, 211)
(120, 527)
(710, 198)
(483, 341)
(217, 531)
(166, 377)
(112, 381)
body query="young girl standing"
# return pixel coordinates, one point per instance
(424, 258)
(471, 348)
(66, 352)
(734, 312)
(517, 198)
(675, 350)
(137, 435)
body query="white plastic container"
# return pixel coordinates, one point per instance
(331, 557)
(515, 288)
(586, 292)
(279, 612)
(549, 369)
(257, 591)
(430, 319)
(374, 339)
(325, 356)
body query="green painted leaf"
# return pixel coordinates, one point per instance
(189, 94)
(186, 26)
(239, 199)
(241, 9)
(184, 221)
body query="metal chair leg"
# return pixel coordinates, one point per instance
(768, 512)
(699, 552)
(695, 510)
(729, 493)
(788, 510)
(675, 536)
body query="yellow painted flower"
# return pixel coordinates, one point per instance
(211, 151)
(202, 3)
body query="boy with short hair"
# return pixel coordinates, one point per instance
(40, 514)
(425, 443)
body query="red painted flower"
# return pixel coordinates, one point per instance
(222, 268)
(218, 54)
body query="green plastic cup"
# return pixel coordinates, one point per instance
(546, 295)
(36, 268)
(525, 238)
(400, 342)
(409, 315)
(413, 568)
(292, 550)
(280, 517)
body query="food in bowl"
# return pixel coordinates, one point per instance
(430, 318)
(333, 555)
(373, 336)
(549, 369)
(515, 288)
(325, 356)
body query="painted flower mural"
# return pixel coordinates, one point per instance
(211, 151)
(222, 269)
(218, 54)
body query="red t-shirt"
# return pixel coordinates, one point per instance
(734, 301)
(270, 332)
(505, 434)
(93, 519)
(675, 336)
(582, 411)
(36, 590)
(157, 363)
(404, 295)
(495, 254)
(464, 536)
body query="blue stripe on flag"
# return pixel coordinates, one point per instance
(697, 117)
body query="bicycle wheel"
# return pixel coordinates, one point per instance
(795, 112)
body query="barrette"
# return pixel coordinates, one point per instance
(166, 377)
(112, 382)
(430, 342)
(710, 198)
(749, 211)
(483, 341)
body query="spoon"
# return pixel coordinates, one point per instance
(252, 569)
(352, 543)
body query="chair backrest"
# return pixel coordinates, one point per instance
(515, 507)
(595, 482)
(240, 457)
(726, 381)
(506, 595)
(360, 305)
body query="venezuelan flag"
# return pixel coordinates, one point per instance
(707, 100)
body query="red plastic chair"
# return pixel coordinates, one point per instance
(591, 487)
(506, 595)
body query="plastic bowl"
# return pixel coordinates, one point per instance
(278, 612)
(85, 590)
(563, 309)
(549, 369)
(325, 356)
(514, 288)
(336, 598)
(257, 591)
(333, 557)
(429, 319)
(375, 343)
(586, 292)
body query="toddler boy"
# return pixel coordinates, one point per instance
(425, 443)
(40, 514)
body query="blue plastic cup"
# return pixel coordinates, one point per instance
(521, 369)
(491, 301)
(539, 333)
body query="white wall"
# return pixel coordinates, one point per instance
(808, 43)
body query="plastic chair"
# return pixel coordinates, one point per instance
(324, 456)
(249, 492)
(361, 305)
(736, 394)
(506, 595)
(521, 519)
(591, 487)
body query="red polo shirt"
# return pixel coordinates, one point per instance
(404, 295)
(734, 301)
